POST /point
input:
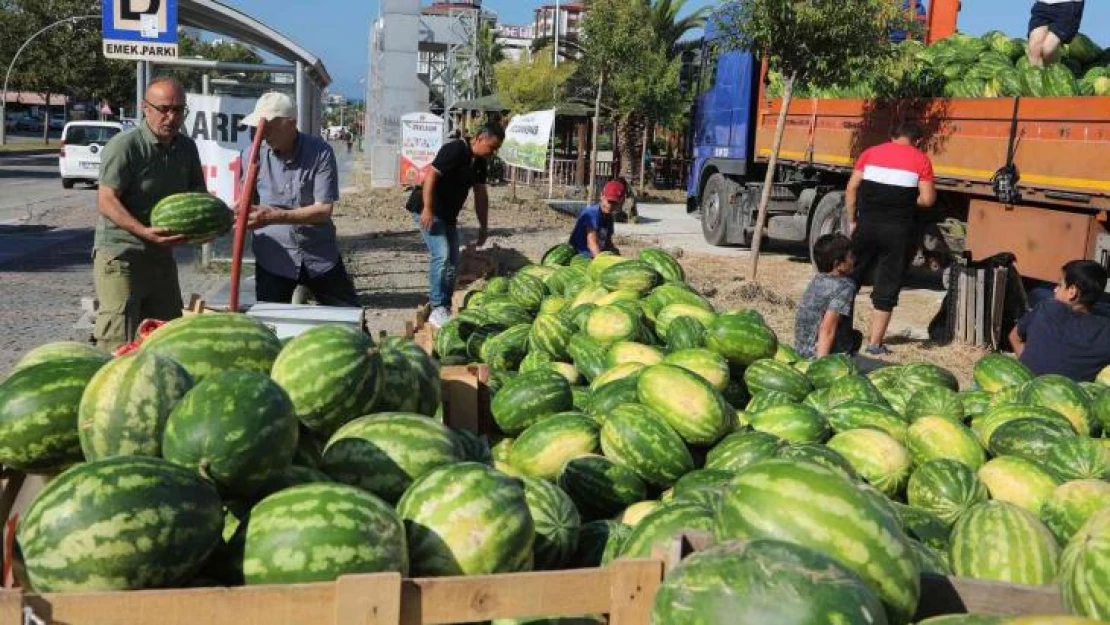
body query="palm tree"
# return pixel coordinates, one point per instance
(490, 52)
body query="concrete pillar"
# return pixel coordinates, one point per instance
(140, 89)
(300, 96)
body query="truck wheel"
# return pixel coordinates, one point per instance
(717, 208)
(830, 217)
(67, 183)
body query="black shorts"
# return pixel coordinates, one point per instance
(1062, 19)
(883, 248)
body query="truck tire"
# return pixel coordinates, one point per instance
(717, 208)
(830, 217)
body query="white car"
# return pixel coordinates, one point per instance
(82, 143)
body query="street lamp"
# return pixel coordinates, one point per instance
(8, 75)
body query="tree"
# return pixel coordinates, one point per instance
(490, 52)
(532, 84)
(814, 43)
(191, 46)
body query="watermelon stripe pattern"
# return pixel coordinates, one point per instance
(665, 523)
(1085, 575)
(467, 519)
(200, 217)
(543, 449)
(599, 487)
(59, 350)
(690, 405)
(205, 344)
(124, 408)
(317, 532)
(124, 523)
(640, 439)
(556, 521)
(333, 375)
(1000, 541)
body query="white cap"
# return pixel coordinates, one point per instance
(272, 105)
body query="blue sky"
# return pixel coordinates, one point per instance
(336, 30)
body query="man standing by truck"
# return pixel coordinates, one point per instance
(133, 266)
(1052, 24)
(889, 184)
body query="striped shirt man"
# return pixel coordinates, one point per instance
(892, 173)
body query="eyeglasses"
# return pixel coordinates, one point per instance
(166, 109)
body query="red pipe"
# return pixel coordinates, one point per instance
(246, 193)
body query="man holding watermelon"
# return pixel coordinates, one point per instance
(133, 266)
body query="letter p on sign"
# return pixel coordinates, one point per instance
(150, 23)
(145, 16)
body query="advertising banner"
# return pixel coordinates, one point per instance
(215, 122)
(421, 138)
(527, 140)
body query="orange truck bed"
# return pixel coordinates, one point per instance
(1062, 145)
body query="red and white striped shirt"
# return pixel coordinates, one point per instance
(891, 173)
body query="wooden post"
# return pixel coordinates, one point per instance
(591, 194)
(769, 180)
(580, 166)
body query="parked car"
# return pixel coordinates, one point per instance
(9, 121)
(57, 122)
(82, 144)
(29, 122)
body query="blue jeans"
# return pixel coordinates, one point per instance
(443, 246)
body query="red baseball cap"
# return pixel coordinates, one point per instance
(613, 191)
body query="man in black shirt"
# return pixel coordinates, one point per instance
(458, 167)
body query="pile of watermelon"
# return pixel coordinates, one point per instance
(629, 410)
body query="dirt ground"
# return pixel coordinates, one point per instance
(388, 262)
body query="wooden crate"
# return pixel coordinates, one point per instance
(939, 594)
(466, 398)
(624, 590)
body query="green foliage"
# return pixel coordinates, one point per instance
(532, 84)
(490, 52)
(191, 46)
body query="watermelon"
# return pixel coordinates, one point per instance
(703, 486)
(854, 388)
(609, 324)
(212, 342)
(876, 456)
(828, 369)
(1007, 396)
(319, 532)
(530, 397)
(479, 337)
(556, 522)
(931, 560)
(974, 403)
(640, 439)
(999, 541)
(1084, 575)
(1062, 395)
(946, 488)
(527, 291)
(767, 399)
(607, 397)
(586, 297)
(199, 217)
(599, 543)
(985, 424)
(664, 264)
(685, 333)
(667, 294)
(768, 374)
(617, 373)
(920, 375)
(558, 255)
(667, 315)
(235, 428)
(665, 523)
(563, 279)
(631, 275)
(598, 264)
(815, 507)
(599, 487)
(1071, 504)
(1078, 458)
(59, 350)
(506, 313)
(966, 619)
(124, 408)
(536, 271)
(506, 349)
(554, 305)
(467, 519)
(632, 352)
(932, 437)
(740, 340)
(935, 401)
(995, 372)
(448, 345)
(542, 449)
(1018, 482)
(711, 366)
(793, 423)
(765, 581)
(690, 405)
(635, 513)
(740, 449)
(384, 453)
(818, 454)
(39, 407)
(123, 523)
(923, 526)
(410, 378)
(1100, 410)
(588, 355)
(625, 298)
(550, 334)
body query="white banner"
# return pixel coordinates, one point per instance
(527, 140)
(215, 122)
(421, 139)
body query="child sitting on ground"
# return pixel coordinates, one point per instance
(824, 322)
(1061, 335)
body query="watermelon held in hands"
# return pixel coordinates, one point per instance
(319, 532)
(199, 217)
(39, 408)
(124, 523)
(467, 519)
(765, 581)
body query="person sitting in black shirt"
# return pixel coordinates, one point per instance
(1061, 335)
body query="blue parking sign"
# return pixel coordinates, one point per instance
(143, 30)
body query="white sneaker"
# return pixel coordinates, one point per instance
(439, 316)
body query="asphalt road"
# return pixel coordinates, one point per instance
(29, 184)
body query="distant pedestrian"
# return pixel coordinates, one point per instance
(1052, 24)
(294, 239)
(133, 265)
(823, 324)
(458, 167)
(350, 139)
(593, 232)
(890, 183)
